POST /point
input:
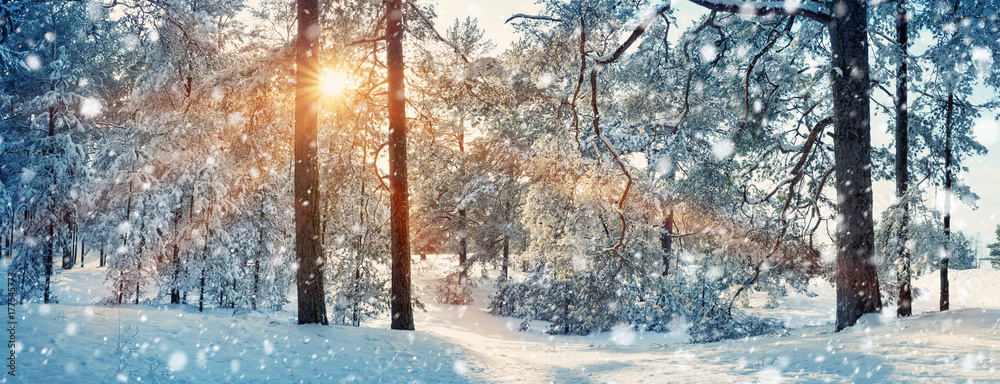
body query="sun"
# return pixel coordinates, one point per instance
(333, 82)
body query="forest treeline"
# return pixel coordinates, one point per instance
(616, 167)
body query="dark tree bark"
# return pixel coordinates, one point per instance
(666, 240)
(175, 293)
(857, 281)
(256, 263)
(204, 265)
(903, 271)
(128, 218)
(463, 214)
(506, 259)
(945, 299)
(52, 239)
(463, 245)
(308, 250)
(399, 206)
(48, 265)
(139, 267)
(142, 245)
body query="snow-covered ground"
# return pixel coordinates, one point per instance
(79, 342)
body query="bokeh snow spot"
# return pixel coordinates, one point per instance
(90, 107)
(723, 149)
(623, 334)
(708, 52)
(33, 62)
(177, 361)
(460, 368)
(770, 375)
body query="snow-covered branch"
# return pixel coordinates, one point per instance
(532, 17)
(808, 9)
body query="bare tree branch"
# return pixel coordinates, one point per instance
(632, 38)
(366, 41)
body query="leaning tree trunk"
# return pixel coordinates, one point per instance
(308, 250)
(857, 281)
(903, 271)
(945, 299)
(399, 207)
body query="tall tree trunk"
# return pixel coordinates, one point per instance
(355, 316)
(463, 214)
(666, 240)
(48, 264)
(83, 251)
(52, 237)
(141, 246)
(308, 250)
(399, 206)
(945, 299)
(139, 267)
(69, 253)
(903, 271)
(506, 259)
(175, 292)
(204, 265)
(463, 246)
(128, 219)
(857, 281)
(256, 264)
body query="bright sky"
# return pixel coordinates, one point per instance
(983, 170)
(491, 15)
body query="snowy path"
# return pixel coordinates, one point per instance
(77, 342)
(960, 345)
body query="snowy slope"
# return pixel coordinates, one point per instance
(77, 342)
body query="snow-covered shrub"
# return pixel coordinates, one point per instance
(357, 292)
(454, 289)
(719, 325)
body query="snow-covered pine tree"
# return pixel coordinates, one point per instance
(961, 58)
(210, 271)
(137, 239)
(356, 219)
(49, 182)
